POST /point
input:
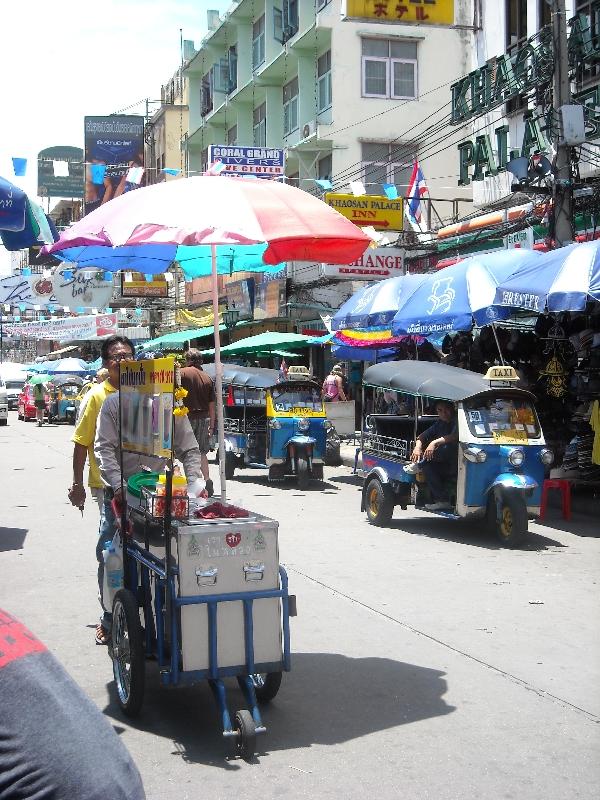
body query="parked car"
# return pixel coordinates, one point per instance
(26, 404)
(3, 404)
(14, 387)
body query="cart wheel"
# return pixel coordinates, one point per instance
(127, 648)
(511, 528)
(302, 472)
(266, 685)
(378, 503)
(230, 465)
(246, 729)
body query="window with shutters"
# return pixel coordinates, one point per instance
(324, 81)
(259, 125)
(258, 42)
(290, 106)
(389, 69)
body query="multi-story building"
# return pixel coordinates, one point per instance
(349, 89)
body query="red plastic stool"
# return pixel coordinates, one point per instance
(565, 491)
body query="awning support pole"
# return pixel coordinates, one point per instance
(218, 373)
(498, 344)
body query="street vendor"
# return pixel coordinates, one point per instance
(107, 449)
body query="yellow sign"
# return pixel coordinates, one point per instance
(511, 436)
(134, 284)
(377, 211)
(421, 12)
(147, 406)
(502, 373)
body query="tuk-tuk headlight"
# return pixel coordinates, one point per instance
(275, 424)
(546, 457)
(516, 457)
(303, 424)
(475, 454)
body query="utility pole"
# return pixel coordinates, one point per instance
(563, 189)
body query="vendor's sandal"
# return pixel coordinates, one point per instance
(209, 487)
(102, 635)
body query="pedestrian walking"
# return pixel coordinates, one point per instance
(333, 389)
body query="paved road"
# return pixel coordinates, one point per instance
(428, 662)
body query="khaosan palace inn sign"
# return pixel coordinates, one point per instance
(506, 77)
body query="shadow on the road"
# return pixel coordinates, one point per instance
(469, 532)
(328, 698)
(352, 480)
(12, 538)
(287, 485)
(579, 525)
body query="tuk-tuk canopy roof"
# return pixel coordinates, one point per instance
(430, 380)
(252, 377)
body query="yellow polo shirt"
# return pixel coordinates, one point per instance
(85, 431)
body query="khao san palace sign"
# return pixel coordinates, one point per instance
(507, 76)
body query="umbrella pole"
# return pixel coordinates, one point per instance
(498, 344)
(218, 373)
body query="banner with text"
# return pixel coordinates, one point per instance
(374, 264)
(147, 406)
(65, 328)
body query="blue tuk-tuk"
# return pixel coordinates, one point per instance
(65, 389)
(500, 458)
(271, 423)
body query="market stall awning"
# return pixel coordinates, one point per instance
(179, 337)
(269, 342)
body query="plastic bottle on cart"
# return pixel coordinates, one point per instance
(179, 502)
(113, 574)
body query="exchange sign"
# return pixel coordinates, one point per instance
(376, 211)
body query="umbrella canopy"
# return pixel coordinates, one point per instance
(267, 342)
(454, 297)
(13, 204)
(40, 379)
(162, 220)
(561, 280)
(375, 306)
(68, 366)
(179, 337)
(64, 380)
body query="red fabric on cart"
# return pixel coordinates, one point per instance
(220, 511)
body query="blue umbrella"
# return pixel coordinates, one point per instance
(344, 352)
(455, 297)
(68, 366)
(13, 203)
(375, 306)
(561, 280)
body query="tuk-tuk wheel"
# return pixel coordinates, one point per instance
(266, 685)
(246, 730)
(511, 526)
(378, 502)
(302, 472)
(127, 652)
(230, 465)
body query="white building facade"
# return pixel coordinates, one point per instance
(351, 90)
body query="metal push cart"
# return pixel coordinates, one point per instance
(208, 600)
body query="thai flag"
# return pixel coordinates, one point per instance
(417, 189)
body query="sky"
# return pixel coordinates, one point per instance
(63, 61)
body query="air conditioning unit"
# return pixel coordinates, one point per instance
(309, 129)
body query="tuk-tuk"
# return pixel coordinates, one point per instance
(65, 389)
(500, 457)
(273, 423)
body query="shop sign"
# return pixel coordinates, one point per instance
(147, 406)
(134, 284)
(262, 162)
(70, 185)
(28, 291)
(376, 211)
(422, 12)
(521, 239)
(269, 299)
(375, 263)
(87, 288)
(240, 296)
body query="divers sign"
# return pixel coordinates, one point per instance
(376, 211)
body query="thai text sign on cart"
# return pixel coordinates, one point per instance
(147, 406)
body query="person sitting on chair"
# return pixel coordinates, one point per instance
(435, 452)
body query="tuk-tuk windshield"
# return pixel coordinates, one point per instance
(498, 416)
(291, 397)
(69, 390)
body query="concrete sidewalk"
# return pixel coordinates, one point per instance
(348, 453)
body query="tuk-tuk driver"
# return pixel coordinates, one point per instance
(435, 452)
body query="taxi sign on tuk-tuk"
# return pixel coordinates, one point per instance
(501, 375)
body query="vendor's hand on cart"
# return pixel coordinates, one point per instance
(417, 453)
